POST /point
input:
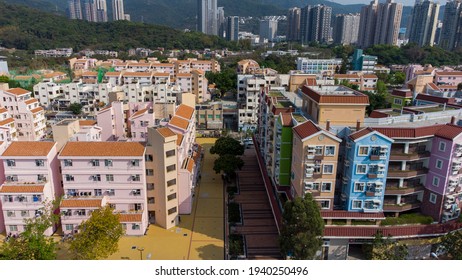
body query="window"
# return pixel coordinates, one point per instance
(315, 186)
(326, 187)
(12, 178)
(69, 178)
(109, 178)
(10, 213)
(136, 227)
(363, 151)
(98, 192)
(136, 192)
(357, 204)
(150, 186)
(95, 162)
(398, 101)
(39, 162)
(171, 168)
(172, 196)
(69, 227)
(317, 168)
(149, 172)
(432, 198)
(325, 204)
(148, 157)
(171, 182)
(10, 162)
(135, 162)
(359, 187)
(439, 164)
(327, 169)
(13, 228)
(170, 153)
(41, 178)
(442, 147)
(361, 169)
(37, 198)
(111, 192)
(96, 178)
(436, 181)
(318, 151)
(151, 200)
(172, 210)
(108, 162)
(24, 213)
(330, 151)
(136, 178)
(67, 162)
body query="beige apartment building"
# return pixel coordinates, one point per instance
(314, 163)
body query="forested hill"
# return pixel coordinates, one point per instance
(28, 29)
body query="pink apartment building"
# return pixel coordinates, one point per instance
(3, 146)
(28, 116)
(452, 78)
(139, 123)
(111, 119)
(31, 178)
(96, 174)
(8, 130)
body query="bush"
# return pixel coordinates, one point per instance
(234, 213)
(236, 245)
(414, 218)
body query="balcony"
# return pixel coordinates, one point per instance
(403, 191)
(406, 173)
(401, 207)
(409, 157)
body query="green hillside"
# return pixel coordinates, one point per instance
(28, 29)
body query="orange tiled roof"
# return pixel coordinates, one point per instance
(102, 149)
(179, 140)
(361, 133)
(30, 101)
(286, 119)
(306, 129)
(166, 132)
(449, 73)
(160, 74)
(139, 113)
(137, 74)
(17, 91)
(112, 74)
(128, 218)
(3, 110)
(449, 131)
(22, 189)
(28, 149)
(36, 110)
(87, 123)
(190, 165)
(370, 76)
(90, 73)
(184, 75)
(358, 98)
(184, 111)
(400, 132)
(179, 122)
(81, 203)
(6, 121)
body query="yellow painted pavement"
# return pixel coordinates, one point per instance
(200, 236)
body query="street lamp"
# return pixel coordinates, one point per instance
(141, 252)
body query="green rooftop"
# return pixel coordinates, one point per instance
(284, 104)
(275, 94)
(299, 118)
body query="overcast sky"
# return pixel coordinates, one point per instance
(405, 2)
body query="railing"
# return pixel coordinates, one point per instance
(413, 156)
(401, 207)
(403, 191)
(406, 173)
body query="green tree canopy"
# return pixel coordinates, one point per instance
(75, 108)
(33, 244)
(98, 236)
(387, 249)
(302, 229)
(228, 164)
(227, 146)
(452, 243)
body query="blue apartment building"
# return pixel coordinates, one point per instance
(365, 171)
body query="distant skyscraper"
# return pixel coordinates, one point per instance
(424, 22)
(207, 17)
(221, 21)
(380, 23)
(315, 24)
(75, 9)
(118, 12)
(293, 31)
(232, 28)
(346, 29)
(90, 10)
(451, 34)
(101, 10)
(268, 30)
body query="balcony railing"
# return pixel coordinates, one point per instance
(401, 207)
(406, 173)
(403, 191)
(413, 156)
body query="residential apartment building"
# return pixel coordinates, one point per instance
(75, 130)
(340, 105)
(318, 66)
(96, 174)
(315, 24)
(314, 163)
(364, 63)
(29, 117)
(118, 12)
(294, 19)
(207, 17)
(380, 23)
(423, 22)
(365, 82)
(451, 35)
(8, 131)
(232, 28)
(31, 179)
(346, 29)
(268, 30)
(365, 171)
(210, 116)
(443, 193)
(112, 120)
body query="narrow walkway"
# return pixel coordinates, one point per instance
(259, 228)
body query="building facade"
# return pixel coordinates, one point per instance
(423, 22)
(346, 29)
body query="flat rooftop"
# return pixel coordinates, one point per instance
(335, 90)
(335, 94)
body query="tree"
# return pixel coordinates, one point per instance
(76, 108)
(452, 244)
(98, 236)
(376, 101)
(227, 146)
(302, 228)
(387, 249)
(459, 87)
(4, 79)
(33, 244)
(228, 164)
